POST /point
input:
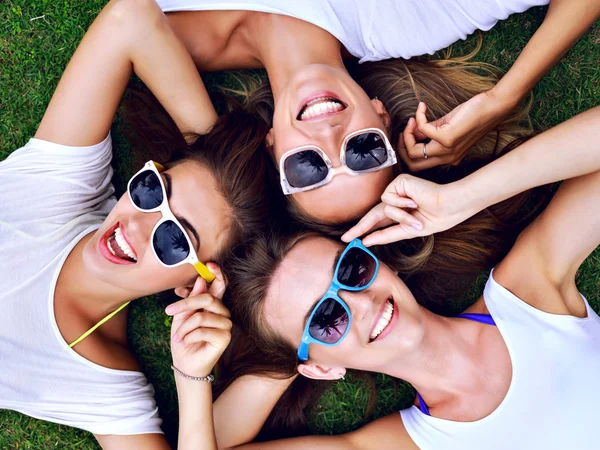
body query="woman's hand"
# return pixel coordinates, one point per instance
(201, 328)
(452, 135)
(413, 207)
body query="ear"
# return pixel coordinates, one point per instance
(270, 139)
(382, 112)
(317, 372)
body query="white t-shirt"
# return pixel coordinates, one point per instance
(553, 396)
(51, 196)
(373, 30)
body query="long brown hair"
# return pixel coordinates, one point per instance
(227, 151)
(255, 349)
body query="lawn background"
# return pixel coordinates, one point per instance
(37, 38)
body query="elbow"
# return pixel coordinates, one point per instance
(135, 17)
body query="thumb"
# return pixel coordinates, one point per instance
(200, 287)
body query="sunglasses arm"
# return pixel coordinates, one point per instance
(303, 351)
(204, 272)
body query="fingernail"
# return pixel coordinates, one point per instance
(175, 338)
(171, 309)
(416, 225)
(413, 205)
(211, 265)
(420, 104)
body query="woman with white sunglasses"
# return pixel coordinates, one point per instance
(72, 256)
(318, 105)
(516, 370)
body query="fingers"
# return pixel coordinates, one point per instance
(375, 218)
(391, 234)
(204, 301)
(219, 284)
(437, 130)
(201, 319)
(218, 338)
(412, 152)
(399, 215)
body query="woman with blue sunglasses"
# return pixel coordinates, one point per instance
(72, 256)
(517, 369)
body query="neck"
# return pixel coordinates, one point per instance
(286, 45)
(83, 291)
(444, 365)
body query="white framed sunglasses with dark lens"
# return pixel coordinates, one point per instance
(170, 242)
(308, 167)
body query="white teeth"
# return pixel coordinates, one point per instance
(384, 320)
(320, 106)
(122, 243)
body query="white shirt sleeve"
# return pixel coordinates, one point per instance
(54, 184)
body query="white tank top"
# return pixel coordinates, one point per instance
(51, 196)
(553, 397)
(373, 30)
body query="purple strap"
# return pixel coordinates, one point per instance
(482, 318)
(422, 405)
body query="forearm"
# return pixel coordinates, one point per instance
(162, 62)
(565, 22)
(196, 429)
(568, 150)
(127, 34)
(241, 411)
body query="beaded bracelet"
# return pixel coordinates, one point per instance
(209, 378)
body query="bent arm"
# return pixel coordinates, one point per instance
(127, 36)
(241, 411)
(564, 24)
(568, 150)
(387, 432)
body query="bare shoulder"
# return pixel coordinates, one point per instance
(387, 432)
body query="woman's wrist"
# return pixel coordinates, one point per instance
(506, 94)
(464, 198)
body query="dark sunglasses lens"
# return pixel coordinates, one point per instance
(304, 169)
(357, 268)
(146, 190)
(329, 323)
(170, 243)
(366, 151)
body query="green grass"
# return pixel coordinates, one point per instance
(37, 37)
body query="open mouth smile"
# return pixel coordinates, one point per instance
(319, 107)
(386, 321)
(115, 247)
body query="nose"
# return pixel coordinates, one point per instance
(361, 303)
(329, 138)
(141, 224)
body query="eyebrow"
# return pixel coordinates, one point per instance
(182, 220)
(335, 263)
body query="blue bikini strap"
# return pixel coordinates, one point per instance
(482, 318)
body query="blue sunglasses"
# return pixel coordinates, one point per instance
(330, 319)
